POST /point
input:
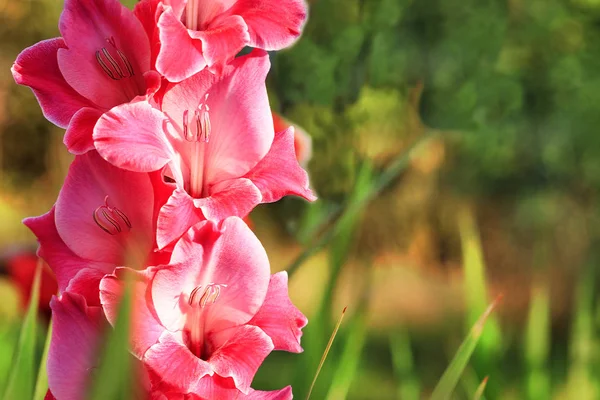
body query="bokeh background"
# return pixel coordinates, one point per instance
(456, 155)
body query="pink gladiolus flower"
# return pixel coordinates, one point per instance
(103, 217)
(214, 313)
(101, 60)
(214, 138)
(302, 140)
(199, 33)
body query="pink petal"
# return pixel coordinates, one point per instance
(175, 364)
(87, 27)
(222, 41)
(278, 317)
(86, 283)
(73, 347)
(91, 183)
(236, 197)
(228, 255)
(131, 136)
(180, 55)
(241, 355)
(282, 394)
(145, 328)
(272, 24)
(37, 67)
(177, 216)
(78, 137)
(147, 12)
(242, 126)
(268, 176)
(65, 264)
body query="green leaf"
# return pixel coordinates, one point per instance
(41, 385)
(113, 376)
(448, 381)
(22, 379)
(479, 392)
(404, 366)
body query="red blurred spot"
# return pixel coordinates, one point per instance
(21, 269)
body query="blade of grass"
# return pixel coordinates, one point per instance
(402, 358)
(537, 342)
(475, 283)
(449, 379)
(22, 378)
(337, 326)
(479, 393)
(113, 376)
(41, 384)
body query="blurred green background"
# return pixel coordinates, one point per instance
(456, 157)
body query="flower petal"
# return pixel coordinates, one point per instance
(180, 55)
(236, 197)
(183, 370)
(145, 328)
(37, 67)
(65, 264)
(73, 347)
(282, 394)
(177, 216)
(279, 318)
(78, 137)
(222, 41)
(241, 354)
(131, 136)
(92, 183)
(272, 24)
(279, 174)
(90, 26)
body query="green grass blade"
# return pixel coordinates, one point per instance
(41, 384)
(402, 358)
(331, 339)
(113, 376)
(476, 294)
(451, 376)
(537, 345)
(479, 392)
(349, 362)
(23, 374)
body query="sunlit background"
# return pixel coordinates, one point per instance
(456, 155)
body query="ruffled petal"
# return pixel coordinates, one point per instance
(279, 174)
(236, 197)
(74, 345)
(88, 27)
(183, 370)
(37, 67)
(104, 213)
(222, 41)
(131, 136)
(279, 318)
(78, 137)
(180, 55)
(240, 356)
(272, 24)
(177, 216)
